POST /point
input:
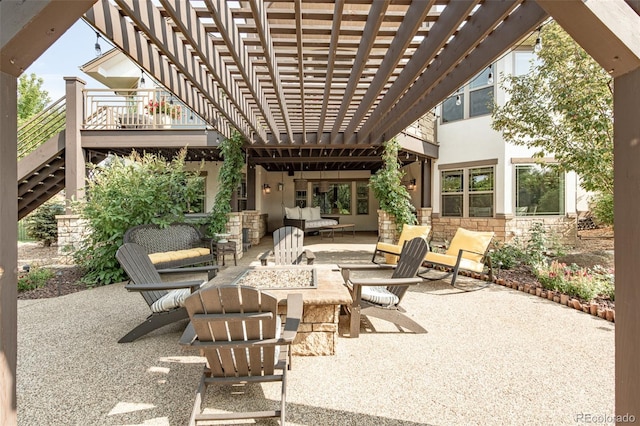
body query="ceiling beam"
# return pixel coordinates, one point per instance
(314, 160)
(374, 21)
(262, 24)
(298, 16)
(607, 30)
(227, 28)
(122, 33)
(28, 28)
(450, 19)
(522, 22)
(333, 44)
(414, 18)
(481, 23)
(208, 56)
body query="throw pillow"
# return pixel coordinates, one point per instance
(305, 213)
(292, 212)
(315, 213)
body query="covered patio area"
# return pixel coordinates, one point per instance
(496, 356)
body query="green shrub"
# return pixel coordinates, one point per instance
(42, 225)
(37, 277)
(603, 209)
(507, 255)
(124, 193)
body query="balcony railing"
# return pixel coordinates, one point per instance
(138, 109)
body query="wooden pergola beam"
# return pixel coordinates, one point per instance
(227, 28)
(298, 16)
(375, 18)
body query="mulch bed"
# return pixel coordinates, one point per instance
(65, 282)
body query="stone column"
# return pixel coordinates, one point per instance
(424, 216)
(387, 227)
(234, 227)
(71, 230)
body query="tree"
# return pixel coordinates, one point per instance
(388, 188)
(31, 97)
(564, 107)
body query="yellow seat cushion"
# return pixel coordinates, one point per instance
(409, 232)
(448, 260)
(170, 256)
(475, 241)
(389, 248)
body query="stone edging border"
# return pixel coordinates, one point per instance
(561, 298)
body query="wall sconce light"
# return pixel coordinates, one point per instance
(266, 188)
(280, 186)
(412, 185)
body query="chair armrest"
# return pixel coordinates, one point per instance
(209, 242)
(188, 336)
(265, 256)
(311, 256)
(194, 284)
(345, 268)
(294, 315)
(193, 269)
(385, 282)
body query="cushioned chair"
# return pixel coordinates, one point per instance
(466, 252)
(238, 330)
(288, 248)
(381, 297)
(165, 299)
(408, 232)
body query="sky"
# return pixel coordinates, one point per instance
(64, 58)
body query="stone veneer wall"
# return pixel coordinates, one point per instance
(234, 227)
(564, 228)
(318, 330)
(71, 231)
(387, 231)
(257, 224)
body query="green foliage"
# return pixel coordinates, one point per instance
(507, 255)
(35, 278)
(603, 208)
(564, 107)
(42, 225)
(575, 281)
(130, 191)
(31, 98)
(229, 178)
(388, 188)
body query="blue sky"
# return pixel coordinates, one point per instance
(63, 59)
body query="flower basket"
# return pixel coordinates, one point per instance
(168, 109)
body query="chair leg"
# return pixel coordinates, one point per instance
(197, 404)
(396, 317)
(354, 325)
(154, 322)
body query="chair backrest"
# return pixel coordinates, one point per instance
(177, 236)
(288, 245)
(136, 263)
(475, 241)
(411, 257)
(239, 314)
(409, 232)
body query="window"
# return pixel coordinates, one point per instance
(472, 199)
(539, 190)
(524, 61)
(479, 92)
(242, 193)
(301, 198)
(337, 200)
(362, 194)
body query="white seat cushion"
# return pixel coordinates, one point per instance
(173, 299)
(378, 295)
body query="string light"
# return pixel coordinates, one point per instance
(490, 76)
(141, 77)
(97, 45)
(538, 46)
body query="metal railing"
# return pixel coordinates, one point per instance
(139, 109)
(41, 127)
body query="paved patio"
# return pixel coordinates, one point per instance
(495, 356)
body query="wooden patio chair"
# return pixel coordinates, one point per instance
(238, 330)
(381, 297)
(466, 252)
(408, 233)
(288, 248)
(165, 299)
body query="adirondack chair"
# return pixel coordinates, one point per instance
(409, 232)
(165, 299)
(381, 297)
(288, 248)
(466, 252)
(238, 330)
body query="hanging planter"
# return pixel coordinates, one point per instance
(300, 184)
(323, 187)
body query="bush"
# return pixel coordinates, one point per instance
(507, 255)
(603, 209)
(42, 225)
(37, 277)
(127, 192)
(576, 281)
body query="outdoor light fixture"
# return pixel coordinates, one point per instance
(490, 76)
(412, 185)
(142, 77)
(266, 188)
(97, 45)
(280, 186)
(538, 46)
(458, 100)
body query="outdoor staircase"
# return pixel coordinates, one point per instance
(41, 143)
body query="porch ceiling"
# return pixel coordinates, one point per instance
(334, 76)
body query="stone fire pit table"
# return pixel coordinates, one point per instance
(318, 330)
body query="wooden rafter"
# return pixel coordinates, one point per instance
(298, 19)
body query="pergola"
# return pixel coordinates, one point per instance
(299, 78)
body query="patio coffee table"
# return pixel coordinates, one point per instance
(331, 230)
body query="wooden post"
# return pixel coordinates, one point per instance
(75, 165)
